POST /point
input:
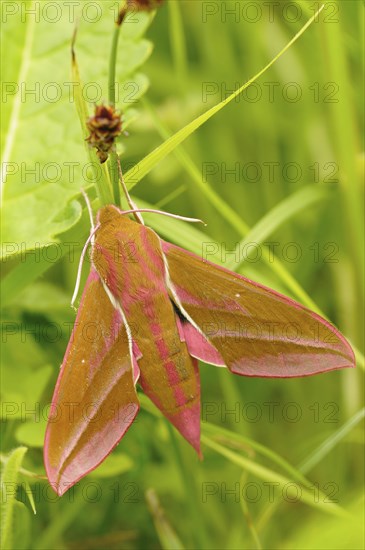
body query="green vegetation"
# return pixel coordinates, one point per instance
(276, 173)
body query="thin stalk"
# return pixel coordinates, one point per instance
(328, 444)
(102, 179)
(178, 45)
(114, 177)
(112, 64)
(316, 456)
(113, 159)
(248, 517)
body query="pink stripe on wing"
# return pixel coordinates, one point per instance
(172, 374)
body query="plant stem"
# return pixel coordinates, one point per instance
(113, 168)
(178, 44)
(247, 516)
(112, 65)
(101, 180)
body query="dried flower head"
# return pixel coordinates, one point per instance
(143, 5)
(104, 127)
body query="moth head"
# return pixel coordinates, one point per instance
(108, 213)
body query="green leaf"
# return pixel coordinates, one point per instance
(131, 56)
(44, 158)
(15, 66)
(130, 91)
(9, 507)
(22, 233)
(33, 265)
(135, 25)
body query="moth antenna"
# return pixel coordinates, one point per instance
(168, 214)
(135, 210)
(90, 239)
(73, 40)
(88, 205)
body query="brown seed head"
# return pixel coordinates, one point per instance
(143, 5)
(104, 127)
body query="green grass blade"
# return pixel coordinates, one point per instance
(305, 7)
(257, 469)
(226, 211)
(326, 447)
(271, 476)
(248, 517)
(276, 217)
(214, 430)
(30, 496)
(139, 171)
(26, 272)
(185, 235)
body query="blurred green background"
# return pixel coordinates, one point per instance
(294, 140)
